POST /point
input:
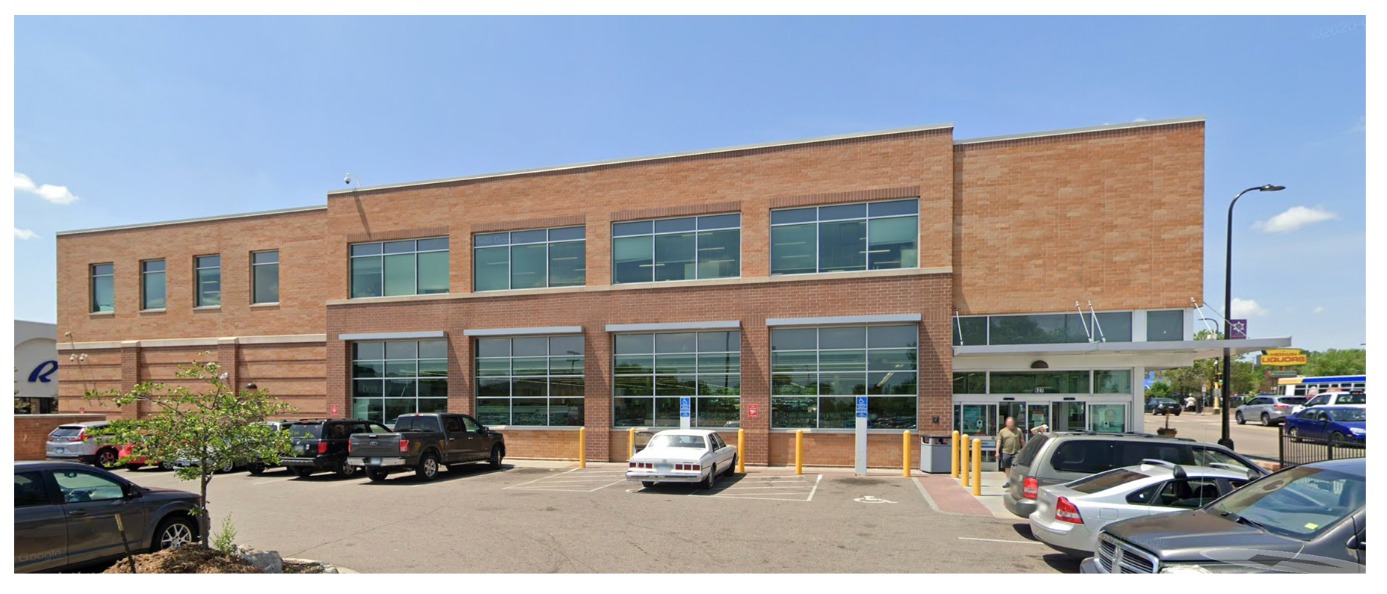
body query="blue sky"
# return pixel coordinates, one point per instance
(147, 119)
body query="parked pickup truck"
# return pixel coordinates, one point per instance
(422, 443)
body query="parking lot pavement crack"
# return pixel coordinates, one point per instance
(557, 549)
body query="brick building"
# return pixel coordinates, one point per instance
(771, 285)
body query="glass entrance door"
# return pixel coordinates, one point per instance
(1069, 415)
(1015, 410)
(1037, 415)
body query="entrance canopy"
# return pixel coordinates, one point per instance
(1200, 349)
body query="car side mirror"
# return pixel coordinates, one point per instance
(134, 491)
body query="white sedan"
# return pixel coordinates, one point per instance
(1068, 517)
(682, 456)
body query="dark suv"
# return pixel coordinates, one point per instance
(1056, 458)
(320, 445)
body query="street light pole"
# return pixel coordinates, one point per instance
(1225, 440)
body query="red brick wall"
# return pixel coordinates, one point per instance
(541, 444)
(1116, 217)
(840, 449)
(31, 432)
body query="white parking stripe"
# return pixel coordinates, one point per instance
(816, 488)
(573, 481)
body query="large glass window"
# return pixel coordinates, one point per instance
(677, 249)
(396, 378)
(532, 380)
(1166, 325)
(1108, 418)
(1116, 326)
(869, 236)
(970, 382)
(153, 288)
(529, 259)
(103, 287)
(816, 373)
(1040, 382)
(208, 270)
(1118, 381)
(264, 276)
(390, 268)
(653, 371)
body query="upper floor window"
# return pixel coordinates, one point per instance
(209, 280)
(868, 236)
(264, 276)
(103, 284)
(677, 249)
(1110, 326)
(153, 289)
(529, 259)
(1165, 325)
(390, 268)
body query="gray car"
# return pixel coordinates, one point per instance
(65, 516)
(1268, 409)
(1305, 519)
(1057, 458)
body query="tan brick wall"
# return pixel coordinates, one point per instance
(839, 449)
(539, 444)
(31, 432)
(297, 236)
(1115, 217)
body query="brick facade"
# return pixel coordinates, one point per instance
(1017, 225)
(31, 432)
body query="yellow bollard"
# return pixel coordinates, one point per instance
(905, 453)
(953, 454)
(631, 439)
(977, 467)
(582, 447)
(741, 451)
(799, 451)
(963, 460)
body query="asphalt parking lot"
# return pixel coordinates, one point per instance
(1252, 439)
(537, 517)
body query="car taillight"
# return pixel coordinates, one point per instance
(1282, 406)
(349, 446)
(1066, 512)
(404, 445)
(1030, 488)
(322, 447)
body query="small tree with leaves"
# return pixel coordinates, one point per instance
(210, 425)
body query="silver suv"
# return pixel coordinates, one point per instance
(1056, 458)
(76, 442)
(1268, 409)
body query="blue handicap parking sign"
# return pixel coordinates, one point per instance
(861, 407)
(684, 407)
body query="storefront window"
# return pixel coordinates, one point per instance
(531, 381)
(816, 373)
(1040, 382)
(1165, 325)
(970, 382)
(529, 259)
(1108, 418)
(1112, 381)
(653, 371)
(395, 378)
(1058, 328)
(1069, 416)
(677, 249)
(870, 236)
(391, 268)
(974, 419)
(970, 331)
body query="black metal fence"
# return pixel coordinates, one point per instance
(1306, 450)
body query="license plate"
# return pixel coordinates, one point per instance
(663, 467)
(58, 450)
(356, 461)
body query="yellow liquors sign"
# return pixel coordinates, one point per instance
(1284, 357)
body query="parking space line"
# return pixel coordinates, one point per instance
(1025, 542)
(571, 481)
(540, 479)
(816, 488)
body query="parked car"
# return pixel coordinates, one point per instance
(1336, 425)
(1334, 399)
(1057, 458)
(64, 516)
(682, 456)
(1304, 519)
(321, 445)
(1269, 410)
(1068, 517)
(77, 442)
(423, 442)
(1163, 406)
(258, 468)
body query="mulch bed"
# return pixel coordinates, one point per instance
(185, 560)
(295, 566)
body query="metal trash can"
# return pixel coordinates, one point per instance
(934, 453)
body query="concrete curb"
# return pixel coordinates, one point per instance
(327, 567)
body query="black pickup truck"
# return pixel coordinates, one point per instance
(422, 443)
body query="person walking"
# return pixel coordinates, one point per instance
(1008, 444)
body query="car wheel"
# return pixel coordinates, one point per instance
(256, 469)
(344, 470)
(712, 477)
(376, 474)
(648, 484)
(428, 467)
(300, 471)
(733, 468)
(166, 466)
(1266, 420)
(1239, 417)
(495, 460)
(1293, 434)
(228, 467)
(106, 458)
(174, 533)
(1336, 439)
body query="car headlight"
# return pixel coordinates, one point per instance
(1213, 567)
(1357, 431)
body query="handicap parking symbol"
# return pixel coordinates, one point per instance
(684, 407)
(861, 407)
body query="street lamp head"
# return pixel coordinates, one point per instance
(1271, 188)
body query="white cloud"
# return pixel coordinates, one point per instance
(1247, 308)
(1361, 126)
(1294, 218)
(51, 193)
(24, 234)
(1139, 119)
(1319, 309)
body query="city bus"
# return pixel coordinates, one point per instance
(1302, 386)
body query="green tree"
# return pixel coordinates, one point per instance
(1337, 362)
(210, 424)
(1159, 389)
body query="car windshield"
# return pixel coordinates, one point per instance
(1106, 480)
(1300, 503)
(421, 424)
(309, 430)
(678, 441)
(64, 432)
(1348, 415)
(1353, 399)
(1293, 400)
